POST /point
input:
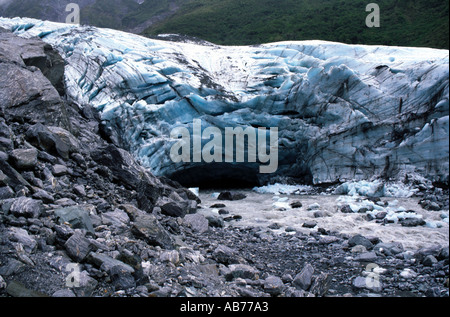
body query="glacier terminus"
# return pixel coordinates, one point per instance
(343, 112)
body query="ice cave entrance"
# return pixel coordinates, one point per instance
(219, 175)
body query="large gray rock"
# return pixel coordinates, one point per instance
(17, 289)
(115, 218)
(78, 246)
(392, 248)
(225, 255)
(197, 222)
(126, 170)
(31, 96)
(44, 139)
(106, 263)
(148, 228)
(274, 285)
(3, 179)
(77, 217)
(12, 177)
(321, 284)
(24, 159)
(360, 240)
(6, 193)
(33, 52)
(64, 293)
(443, 254)
(121, 278)
(26, 207)
(21, 236)
(367, 257)
(303, 280)
(412, 222)
(173, 210)
(242, 271)
(429, 261)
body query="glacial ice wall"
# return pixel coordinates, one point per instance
(344, 112)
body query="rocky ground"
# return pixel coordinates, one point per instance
(80, 217)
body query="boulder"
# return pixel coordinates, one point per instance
(368, 283)
(24, 159)
(21, 236)
(121, 278)
(59, 170)
(443, 254)
(197, 222)
(63, 293)
(366, 257)
(6, 192)
(76, 216)
(78, 246)
(346, 209)
(116, 218)
(172, 256)
(303, 280)
(45, 196)
(273, 285)
(429, 260)
(173, 209)
(309, 224)
(31, 96)
(231, 196)
(412, 222)
(360, 240)
(9, 176)
(41, 137)
(3, 179)
(321, 284)
(225, 255)
(296, 204)
(389, 249)
(26, 207)
(16, 289)
(242, 271)
(148, 228)
(85, 285)
(106, 263)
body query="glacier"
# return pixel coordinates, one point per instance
(344, 112)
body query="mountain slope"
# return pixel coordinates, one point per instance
(420, 23)
(129, 15)
(243, 22)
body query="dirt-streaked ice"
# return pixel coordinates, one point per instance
(344, 112)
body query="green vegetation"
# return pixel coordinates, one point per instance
(26, 9)
(124, 14)
(244, 22)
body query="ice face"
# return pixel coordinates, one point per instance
(344, 112)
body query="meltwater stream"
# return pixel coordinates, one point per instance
(263, 210)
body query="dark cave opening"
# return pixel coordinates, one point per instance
(219, 176)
